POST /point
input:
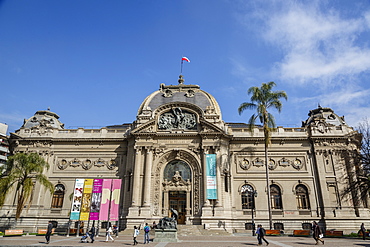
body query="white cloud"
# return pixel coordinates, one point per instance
(318, 44)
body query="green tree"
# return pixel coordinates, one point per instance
(262, 99)
(21, 172)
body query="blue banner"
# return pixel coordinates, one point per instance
(211, 176)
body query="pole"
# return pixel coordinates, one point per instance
(253, 208)
(182, 62)
(268, 186)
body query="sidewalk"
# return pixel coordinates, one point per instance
(193, 241)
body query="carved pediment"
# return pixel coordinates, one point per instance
(207, 127)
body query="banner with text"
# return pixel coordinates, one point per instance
(86, 199)
(95, 199)
(211, 176)
(77, 198)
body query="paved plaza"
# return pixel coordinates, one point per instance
(192, 241)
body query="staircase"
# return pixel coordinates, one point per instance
(198, 230)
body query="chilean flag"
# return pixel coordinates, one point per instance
(185, 59)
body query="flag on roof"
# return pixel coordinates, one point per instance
(185, 59)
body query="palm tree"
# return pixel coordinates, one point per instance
(262, 98)
(22, 172)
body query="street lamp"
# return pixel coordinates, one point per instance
(254, 194)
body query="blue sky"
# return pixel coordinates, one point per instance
(94, 62)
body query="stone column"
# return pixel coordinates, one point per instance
(147, 177)
(206, 201)
(218, 179)
(136, 184)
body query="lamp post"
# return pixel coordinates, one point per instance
(254, 194)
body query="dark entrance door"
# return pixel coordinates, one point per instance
(178, 202)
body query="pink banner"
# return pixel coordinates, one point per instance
(96, 199)
(114, 206)
(105, 199)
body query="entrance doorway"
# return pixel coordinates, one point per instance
(177, 201)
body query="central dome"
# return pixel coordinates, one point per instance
(180, 93)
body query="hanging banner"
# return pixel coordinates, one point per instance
(211, 176)
(96, 199)
(114, 206)
(105, 199)
(86, 199)
(77, 198)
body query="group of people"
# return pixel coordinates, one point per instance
(146, 233)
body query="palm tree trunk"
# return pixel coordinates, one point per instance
(268, 186)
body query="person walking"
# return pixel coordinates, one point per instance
(136, 233)
(109, 233)
(261, 232)
(92, 233)
(363, 230)
(48, 232)
(317, 234)
(146, 233)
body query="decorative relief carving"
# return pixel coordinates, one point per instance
(284, 162)
(190, 93)
(272, 164)
(87, 164)
(75, 163)
(167, 93)
(177, 119)
(63, 164)
(163, 161)
(258, 162)
(244, 164)
(111, 164)
(176, 181)
(297, 164)
(100, 162)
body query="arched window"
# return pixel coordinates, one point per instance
(247, 193)
(177, 165)
(275, 192)
(58, 196)
(301, 193)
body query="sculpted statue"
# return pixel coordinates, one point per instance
(169, 222)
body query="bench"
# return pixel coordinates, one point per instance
(301, 233)
(43, 231)
(272, 232)
(334, 233)
(13, 232)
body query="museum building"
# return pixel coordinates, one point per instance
(161, 159)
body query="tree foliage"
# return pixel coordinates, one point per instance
(21, 172)
(262, 99)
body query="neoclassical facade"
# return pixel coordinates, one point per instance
(161, 158)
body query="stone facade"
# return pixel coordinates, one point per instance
(161, 160)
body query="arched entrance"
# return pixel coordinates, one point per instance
(177, 189)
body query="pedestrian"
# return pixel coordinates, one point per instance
(154, 225)
(92, 233)
(136, 233)
(109, 233)
(115, 230)
(261, 232)
(48, 232)
(363, 230)
(146, 233)
(317, 233)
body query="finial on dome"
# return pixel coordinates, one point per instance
(181, 80)
(318, 105)
(49, 108)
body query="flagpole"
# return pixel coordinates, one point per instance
(182, 62)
